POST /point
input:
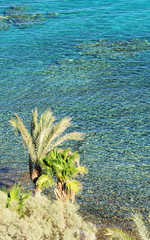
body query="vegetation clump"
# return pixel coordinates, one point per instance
(29, 217)
(43, 220)
(14, 199)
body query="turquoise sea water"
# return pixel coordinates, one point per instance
(89, 60)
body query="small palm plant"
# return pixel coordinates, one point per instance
(15, 198)
(65, 167)
(118, 234)
(143, 230)
(44, 136)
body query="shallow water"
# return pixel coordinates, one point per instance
(88, 60)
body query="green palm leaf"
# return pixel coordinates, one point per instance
(118, 234)
(14, 193)
(45, 180)
(73, 185)
(81, 170)
(141, 227)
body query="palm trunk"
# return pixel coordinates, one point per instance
(62, 193)
(35, 173)
(37, 191)
(30, 166)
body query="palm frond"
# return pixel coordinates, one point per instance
(57, 130)
(40, 131)
(47, 118)
(25, 196)
(14, 124)
(81, 170)
(14, 193)
(118, 234)
(41, 141)
(60, 127)
(74, 185)
(78, 136)
(141, 227)
(34, 123)
(45, 180)
(44, 136)
(18, 124)
(58, 167)
(76, 158)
